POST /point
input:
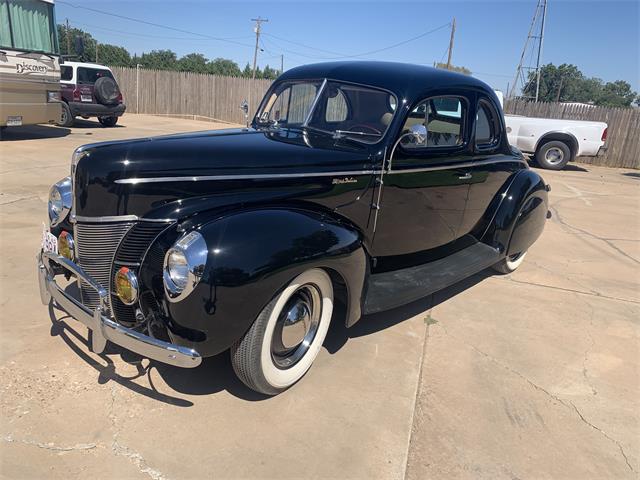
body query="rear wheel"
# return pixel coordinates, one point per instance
(108, 121)
(66, 118)
(286, 337)
(553, 155)
(509, 264)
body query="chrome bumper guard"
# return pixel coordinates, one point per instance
(101, 326)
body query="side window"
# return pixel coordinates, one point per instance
(443, 118)
(336, 107)
(487, 126)
(89, 76)
(66, 73)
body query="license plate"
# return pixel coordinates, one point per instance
(14, 120)
(49, 241)
(86, 98)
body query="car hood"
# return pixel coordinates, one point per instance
(145, 177)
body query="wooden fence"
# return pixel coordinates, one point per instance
(215, 97)
(181, 93)
(623, 133)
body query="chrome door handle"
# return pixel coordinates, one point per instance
(466, 176)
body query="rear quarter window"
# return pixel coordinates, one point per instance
(91, 75)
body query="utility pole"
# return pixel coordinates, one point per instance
(96, 51)
(559, 89)
(259, 22)
(281, 64)
(68, 32)
(453, 32)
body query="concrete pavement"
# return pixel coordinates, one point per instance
(532, 375)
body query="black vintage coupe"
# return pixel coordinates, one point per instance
(358, 187)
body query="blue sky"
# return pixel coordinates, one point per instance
(601, 37)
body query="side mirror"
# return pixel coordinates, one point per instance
(244, 106)
(419, 134)
(78, 44)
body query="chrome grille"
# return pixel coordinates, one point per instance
(96, 245)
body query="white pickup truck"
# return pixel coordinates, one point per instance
(553, 142)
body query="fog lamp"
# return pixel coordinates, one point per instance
(126, 284)
(65, 245)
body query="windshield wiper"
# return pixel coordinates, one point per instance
(340, 133)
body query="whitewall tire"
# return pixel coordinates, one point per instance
(510, 264)
(286, 338)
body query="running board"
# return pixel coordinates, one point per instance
(392, 289)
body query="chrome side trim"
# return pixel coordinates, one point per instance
(266, 176)
(118, 218)
(275, 176)
(456, 166)
(102, 327)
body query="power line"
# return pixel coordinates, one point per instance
(363, 54)
(158, 25)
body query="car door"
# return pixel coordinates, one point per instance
(492, 166)
(425, 190)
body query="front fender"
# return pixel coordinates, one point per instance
(521, 214)
(252, 255)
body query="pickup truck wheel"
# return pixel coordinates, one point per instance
(66, 119)
(509, 264)
(108, 121)
(286, 337)
(553, 155)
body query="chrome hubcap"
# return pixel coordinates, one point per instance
(296, 326)
(554, 155)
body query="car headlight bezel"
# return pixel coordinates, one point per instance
(59, 203)
(184, 265)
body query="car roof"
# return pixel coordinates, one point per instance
(85, 64)
(407, 81)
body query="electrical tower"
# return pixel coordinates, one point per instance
(532, 48)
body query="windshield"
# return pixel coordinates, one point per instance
(28, 25)
(342, 109)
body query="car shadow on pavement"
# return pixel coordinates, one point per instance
(216, 373)
(33, 132)
(339, 334)
(93, 123)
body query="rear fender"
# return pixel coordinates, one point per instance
(521, 214)
(252, 255)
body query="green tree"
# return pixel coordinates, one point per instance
(222, 66)
(269, 73)
(159, 60)
(193, 62)
(113, 55)
(617, 94)
(566, 83)
(247, 72)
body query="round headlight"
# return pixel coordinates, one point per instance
(126, 284)
(65, 245)
(184, 265)
(60, 198)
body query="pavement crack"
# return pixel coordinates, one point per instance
(598, 429)
(566, 403)
(592, 293)
(121, 450)
(21, 199)
(585, 371)
(572, 229)
(51, 445)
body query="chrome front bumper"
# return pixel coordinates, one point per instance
(102, 327)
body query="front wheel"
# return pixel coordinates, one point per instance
(286, 337)
(108, 121)
(509, 264)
